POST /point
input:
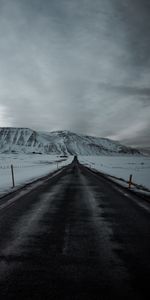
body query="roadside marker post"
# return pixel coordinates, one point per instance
(130, 181)
(12, 173)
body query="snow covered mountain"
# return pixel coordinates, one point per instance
(26, 140)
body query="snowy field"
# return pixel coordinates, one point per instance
(121, 167)
(27, 167)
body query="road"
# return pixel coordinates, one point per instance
(75, 236)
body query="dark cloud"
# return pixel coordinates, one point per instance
(127, 90)
(81, 65)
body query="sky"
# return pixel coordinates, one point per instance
(79, 65)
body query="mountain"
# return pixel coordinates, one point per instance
(26, 140)
(145, 151)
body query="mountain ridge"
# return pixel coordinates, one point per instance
(61, 142)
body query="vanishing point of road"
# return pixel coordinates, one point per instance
(75, 235)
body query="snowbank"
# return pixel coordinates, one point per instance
(27, 168)
(121, 167)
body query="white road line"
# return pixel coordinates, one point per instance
(143, 205)
(30, 188)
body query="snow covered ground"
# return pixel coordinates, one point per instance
(27, 168)
(121, 167)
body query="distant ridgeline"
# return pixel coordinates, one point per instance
(25, 140)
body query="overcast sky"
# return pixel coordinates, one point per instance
(80, 65)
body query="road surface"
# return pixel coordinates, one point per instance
(76, 236)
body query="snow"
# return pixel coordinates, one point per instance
(121, 167)
(27, 168)
(24, 140)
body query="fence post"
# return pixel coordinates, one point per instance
(130, 181)
(12, 173)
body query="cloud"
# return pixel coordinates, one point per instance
(78, 65)
(4, 116)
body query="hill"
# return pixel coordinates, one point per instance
(26, 140)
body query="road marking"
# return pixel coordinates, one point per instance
(145, 206)
(27, 190)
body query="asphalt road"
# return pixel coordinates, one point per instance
(75, 236)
